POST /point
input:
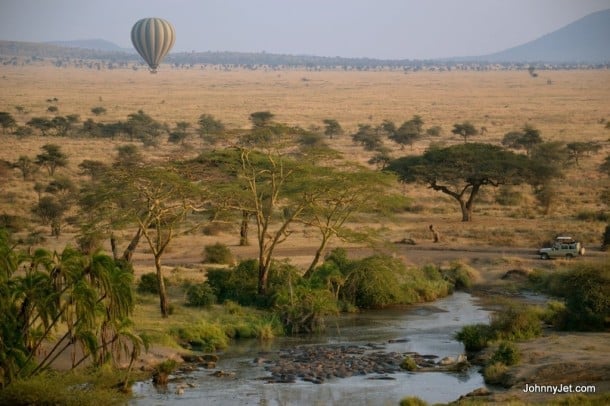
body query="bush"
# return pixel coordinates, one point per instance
(508, 196)
(302, 309)
(373, 282)
(517, 323)
(240, 284)
(217, 254)
(588, 298)
(200, 295)
(507, 353)
(149, 283)
(408, 364)
(475, 337)
(495, 373)
(202, 336)
(412, 401)
(460, 276)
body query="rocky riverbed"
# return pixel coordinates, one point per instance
(318, 364)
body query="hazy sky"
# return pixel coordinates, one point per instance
(396, 29)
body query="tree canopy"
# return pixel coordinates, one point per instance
(460, 171)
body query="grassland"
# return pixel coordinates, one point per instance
(564, 105)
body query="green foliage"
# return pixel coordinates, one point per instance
(217, 254)
(464, 130)
(587, 297)
(408, 364)
(525, 139)
(460, 171)
(98, 110)
(149, 283)
(461, 276)
(200, 295)
(475, 337)
(43, 292)
(368, 137)
(332, 128)
(202, 336)
(495, 373)
(507, 353)
(240, 284)
(261, 118)
(586, 290)
(302, 309)
(52, 158)
(412, 401)
(374, 282)
(63, 389)
(516, 322)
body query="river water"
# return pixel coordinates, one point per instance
(425, 329)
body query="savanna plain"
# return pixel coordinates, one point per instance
(497, 248)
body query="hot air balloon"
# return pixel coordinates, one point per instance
(153, 38)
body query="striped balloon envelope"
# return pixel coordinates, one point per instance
(153, 38)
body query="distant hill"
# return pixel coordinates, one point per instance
(96, 44)
(584, 41)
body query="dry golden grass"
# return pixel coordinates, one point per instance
(568, 109)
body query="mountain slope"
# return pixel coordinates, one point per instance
(586, 40)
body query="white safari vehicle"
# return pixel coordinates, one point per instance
(563, 247)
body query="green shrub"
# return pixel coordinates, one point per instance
(149, 283)
(203, 336)
(507, 353)
(495, 373)
(408, 364)
(460, 275)
(554, 313)
(588, 298)
(302, 309)
(475, 337)
(200, 295)
(240, 284)
(517, 322)
(62, 389)
(412, 401)
(373, 282)
(217, 254)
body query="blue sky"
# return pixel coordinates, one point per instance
(389, 29)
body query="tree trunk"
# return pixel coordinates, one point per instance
(128, 254)
(316, 257)
(243, 230)
(262, 278)
(163, 299)
(466, 211)
(114, 248)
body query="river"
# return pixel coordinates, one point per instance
(425, 329)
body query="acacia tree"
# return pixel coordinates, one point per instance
(336, 194)
(460, 171)
(7, 121)
(52, 158)
(409, 132)
(464, 130)
(332, 128)
(156, 200)
(527, 139)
